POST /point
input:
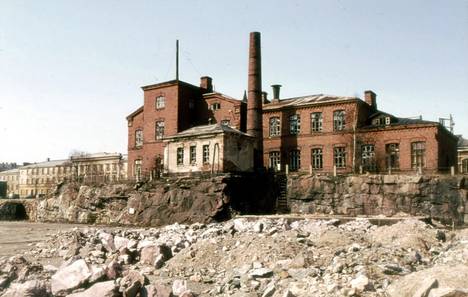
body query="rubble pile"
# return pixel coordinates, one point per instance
(244, 257)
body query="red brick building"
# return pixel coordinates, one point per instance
(318, 133)
(321, 132)
(169, 108)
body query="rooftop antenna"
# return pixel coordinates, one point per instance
(177, 59)
(450, 121)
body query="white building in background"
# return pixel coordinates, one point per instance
(99, 167)
(41, 178)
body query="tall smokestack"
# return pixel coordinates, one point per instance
(254, 98)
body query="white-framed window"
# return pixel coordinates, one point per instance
(159, 129)
(392, 151)
(317, 158)
(137, 169)
(340, 157)
(368, 157)
(138, 137)
(206, 154)
(294, 124)
(160, 102)
(180, 156)
(316, 121)
(275, 159)
(387, 120)
(193, 155)
(275, 126)
(294, 160)
(418, 154)
(339, 122)
(215, 106)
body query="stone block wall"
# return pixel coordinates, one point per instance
(440, 197)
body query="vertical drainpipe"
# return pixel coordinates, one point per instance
(254, 99)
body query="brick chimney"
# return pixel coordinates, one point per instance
(371, 99)
(276, 92)
(254, 98)
(206, 83)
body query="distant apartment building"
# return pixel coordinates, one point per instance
(41, 178)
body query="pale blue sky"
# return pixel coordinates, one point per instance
(71, 71)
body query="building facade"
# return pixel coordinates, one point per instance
(316, 133)
(40, 178)
(11, 177)
(210, 148)
(323, 133)
(99, 167)
(172, 107)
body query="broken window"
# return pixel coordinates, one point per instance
(160, 102)
(294, 160)
(339, 120)
(418, 154)
(392, 151)
(206, 154)
(340, 157)
(275, 160)
(138, 138)
(180, 156)
(368, 157)
(316, 122)
(159, 129)
(294, 124)
(275, 126)
(193, 155)
(317, 158)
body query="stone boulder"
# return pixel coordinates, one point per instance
(422, 283)
(102, 289)
(70, 277)
(32, 288)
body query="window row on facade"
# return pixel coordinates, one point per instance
(341, 158)
(192, 155)
(316, 123)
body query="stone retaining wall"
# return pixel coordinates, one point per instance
(440, 197)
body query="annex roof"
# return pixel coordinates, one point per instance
(205, 130)
(308, 100)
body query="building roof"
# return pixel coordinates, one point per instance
(133, 114)
(307, 100)
(50, 163)
(10, 171)
(223, 97)
(169, 83)
(100, 155)
(205, 130)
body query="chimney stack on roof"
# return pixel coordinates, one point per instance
(265, 98)
(254, 98)
(206, 83)
(276, 92)
(371, 99)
